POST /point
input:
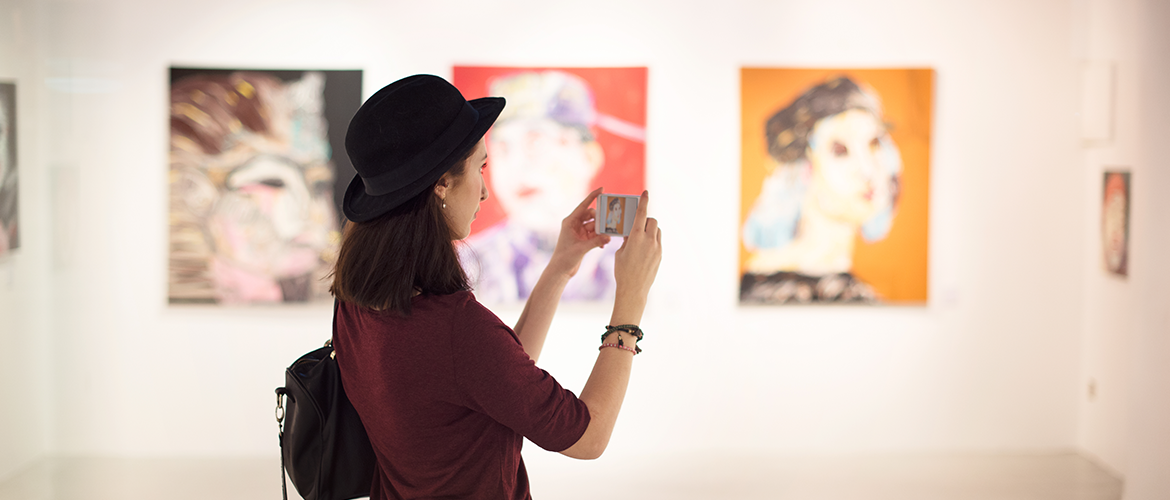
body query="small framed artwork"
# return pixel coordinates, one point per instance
(615, 214)
(1115, 222)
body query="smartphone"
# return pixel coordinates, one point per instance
(615, 213)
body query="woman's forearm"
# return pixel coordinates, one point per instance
(635, 266)
(532, 327)
(603, 395)
(575, 240)
(605, 390)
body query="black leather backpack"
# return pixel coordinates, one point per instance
(323, 445)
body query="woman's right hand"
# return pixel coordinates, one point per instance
(636, 265)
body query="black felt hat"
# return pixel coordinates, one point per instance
(405, 137)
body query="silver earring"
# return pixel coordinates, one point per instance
(444, 204)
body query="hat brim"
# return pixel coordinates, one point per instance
(359, 206)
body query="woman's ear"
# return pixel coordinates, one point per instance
(442, 186)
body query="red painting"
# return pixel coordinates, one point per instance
(563, 132)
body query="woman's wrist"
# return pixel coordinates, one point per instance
(622, 340)
(632, 350)
(627, 310)
(562, 267)
(558, 272)
(613, 338)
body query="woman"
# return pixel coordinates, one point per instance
(834, 172)
(445, 390)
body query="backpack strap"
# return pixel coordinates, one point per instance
(336, 304)
(280, 393)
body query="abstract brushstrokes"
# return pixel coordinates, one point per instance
(834, 185)
(253, 178)
(1115, 222)
(563, 132)
(9, 194)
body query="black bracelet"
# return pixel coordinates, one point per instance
(630, 329)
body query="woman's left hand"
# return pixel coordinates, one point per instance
(578, 236)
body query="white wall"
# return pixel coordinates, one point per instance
(1021, 316)
(1149, 458)
(1109, 32)
(990, 364)
(1126, 329)
(25, 324)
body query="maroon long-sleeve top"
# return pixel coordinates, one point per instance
(447, 395)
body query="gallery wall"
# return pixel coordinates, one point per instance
(1150, 438)
(1125, 419)
(1111, 33)
(992, 363)
(25, 320)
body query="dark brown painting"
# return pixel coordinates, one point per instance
(256, 158)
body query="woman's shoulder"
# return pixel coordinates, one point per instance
(461, 307)
(471, 318)
(426, 308)
(440, 316)
(462, 299)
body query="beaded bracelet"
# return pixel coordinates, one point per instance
(630, 329)
(622, 347)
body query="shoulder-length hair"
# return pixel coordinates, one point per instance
(383, 262)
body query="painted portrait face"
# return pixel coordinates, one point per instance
(852, 171)
(541, 170)
(268, 218)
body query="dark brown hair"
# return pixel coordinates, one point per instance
(411, 248)
(788, 131)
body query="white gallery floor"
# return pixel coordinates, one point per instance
(678, 477)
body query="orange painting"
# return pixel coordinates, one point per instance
(835, 185)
